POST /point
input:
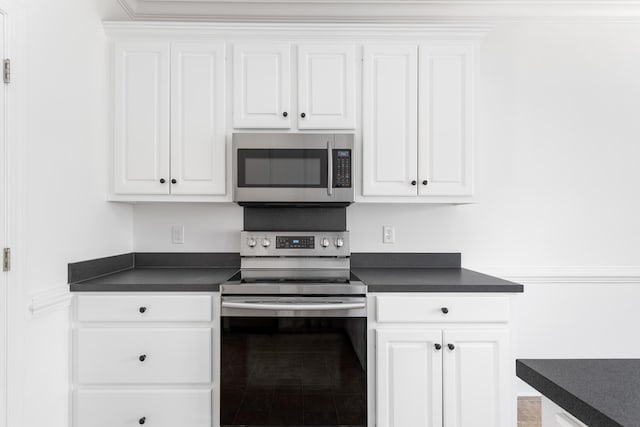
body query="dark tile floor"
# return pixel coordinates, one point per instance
(291, 380)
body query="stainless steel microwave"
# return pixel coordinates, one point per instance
(292, 168)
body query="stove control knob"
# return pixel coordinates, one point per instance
(324, 242)
(251, 242)
(266, 242)
(339, 242)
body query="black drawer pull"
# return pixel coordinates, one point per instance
(445, 310)
(142, 357)
(437, 346)
(142, 420)
(451, 346)
(142, 309)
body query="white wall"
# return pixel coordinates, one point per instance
(62, 76)
(556, 182)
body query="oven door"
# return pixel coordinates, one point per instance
(291, 168)
(293, 361)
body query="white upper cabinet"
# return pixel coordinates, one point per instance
(477, 378)
(197, 119)
(262, 86)
(169, 119)
(389, 121)
(417, 124)
(326, 87)
(445, 123)
(141, 122)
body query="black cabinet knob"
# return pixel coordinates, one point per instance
(451, 346)
(174, 181)
(437, 346)
(303, 115)
(445, 310)
(162, 181)
(425, 182)
(285, 114)
(142, 309)
(142, 420)
(142, 357)
(414, 182)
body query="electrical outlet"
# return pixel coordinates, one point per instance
(388, 234)
(177, 234)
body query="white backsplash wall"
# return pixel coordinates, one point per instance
(557, 185)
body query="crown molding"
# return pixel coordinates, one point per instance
(339, 31)
(401, 11)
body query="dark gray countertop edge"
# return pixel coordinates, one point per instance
(515, 288)
(561, 397)
(87, 287)
(84, 270)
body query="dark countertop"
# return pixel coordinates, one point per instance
(432, 280)
(381, 272)
(598, 392)
(177, 279)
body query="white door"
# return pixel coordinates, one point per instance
(446, 123)
(476, 378)
(197, 118)
(141, 124)
(326, 87)
(4, 306)
(262, 86)
(389, 121)
(409, 378)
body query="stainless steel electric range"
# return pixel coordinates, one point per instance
(294, 333)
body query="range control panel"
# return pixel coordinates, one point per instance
(341, 168)
(295, 242)
(300, 243)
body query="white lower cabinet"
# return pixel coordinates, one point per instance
(140, 358)
(442, 373)
(157, 408)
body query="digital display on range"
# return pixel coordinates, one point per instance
(295, 242)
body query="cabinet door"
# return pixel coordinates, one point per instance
(445, 123)
(409, 378)
(262, 86)
(141, 122)
(326, 87)
(197, 118)
(389, 122)
(476, 378)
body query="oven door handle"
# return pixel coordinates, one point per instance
(293, 307)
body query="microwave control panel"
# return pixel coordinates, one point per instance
(341, 168)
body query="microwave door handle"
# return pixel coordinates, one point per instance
(292, 307)
(329, 168)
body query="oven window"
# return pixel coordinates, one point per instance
(293, 372)
(282, 168)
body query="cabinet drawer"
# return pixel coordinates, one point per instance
(432, 309)
(117, 408)
(144, 308)
(143, 356)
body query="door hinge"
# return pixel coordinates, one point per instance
(6, 70)
(6, 259)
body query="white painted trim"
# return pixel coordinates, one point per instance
(339, 31)
(49, 300)
(379, 10)
(605, 275)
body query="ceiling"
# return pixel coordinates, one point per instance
(378, 10)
